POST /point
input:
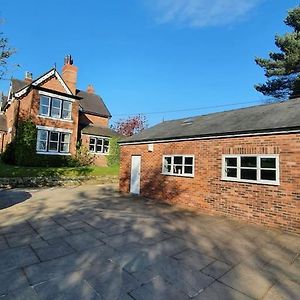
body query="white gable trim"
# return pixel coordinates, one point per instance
(41, 80)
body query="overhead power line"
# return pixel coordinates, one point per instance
(187, 109)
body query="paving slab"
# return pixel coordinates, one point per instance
(20, 240)
(158, 288)
(50, 252)
(82, 241)
(12, 280)
(22, 294)
(216, 269)
(219, 291)
(68, 287)
(14, 258)
(194, 258)
(287, 290)
(248, 279)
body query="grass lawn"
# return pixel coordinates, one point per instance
(16, 171)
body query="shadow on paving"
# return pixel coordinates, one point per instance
(91, 242)
(9, 198)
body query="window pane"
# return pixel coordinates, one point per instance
(231, 161)
(248, 161)
(177, 170)
(248, 174)
(53, 146)
(188, 170)
(168, 159)
(54, 136)
(99, 142)
(56, 108)
(106, 142)
(92, 148)
(55, 112)
(65, 137)
(167, 169)
(64, 147)
(42, 145)
(92, 141)
(45, 101)
(188, 160)
(268, 175)
(44, 110)
(99, 148)
(42, 135)
(66, 113)
(231, 172)
(177, 159)
(268, 162)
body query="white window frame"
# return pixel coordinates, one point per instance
(59, 132)
(38, 140)
(48, 106)
(96, 138)
(61, 100)
(258, 168)
(183, 165)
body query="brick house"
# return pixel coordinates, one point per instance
(62, 113)
(242, 163)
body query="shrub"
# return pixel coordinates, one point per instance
(8, 156)
(113, 158)
(83, 157)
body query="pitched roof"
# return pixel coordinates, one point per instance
(93, 129)
(18, 84)
(3, 124)
(93, 104)
(256, 119)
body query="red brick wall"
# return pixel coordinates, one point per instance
(274, 206)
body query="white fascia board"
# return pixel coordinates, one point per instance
(57, 75)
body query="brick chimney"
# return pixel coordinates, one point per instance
(90, 89)
(69, 73)
(28, 77)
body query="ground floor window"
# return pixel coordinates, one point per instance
(251, 168)
(53, 141)
(178, 165)
(99, 145)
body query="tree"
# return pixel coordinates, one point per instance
(282, 69)
(130, 126)
(5, 53)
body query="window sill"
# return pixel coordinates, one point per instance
(178, 175)
(262, 182)
(56, 119)
(52, 153)
(100, 154)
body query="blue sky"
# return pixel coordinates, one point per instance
(150, 55)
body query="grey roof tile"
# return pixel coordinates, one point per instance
(261, 118)
(93, 104)
(93, 129)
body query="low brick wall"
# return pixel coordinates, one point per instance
(56, 181)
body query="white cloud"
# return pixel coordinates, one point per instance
(201, 13)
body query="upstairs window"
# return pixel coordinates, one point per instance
(251, 168)
(178, 165)
(99, 145)
(55, 108)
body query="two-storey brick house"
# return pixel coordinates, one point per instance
(62, 113)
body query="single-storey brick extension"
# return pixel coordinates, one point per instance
(242, 163)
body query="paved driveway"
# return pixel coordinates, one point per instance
(90, 242)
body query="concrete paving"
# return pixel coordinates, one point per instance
(90, 242)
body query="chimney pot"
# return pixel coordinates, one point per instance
(69, 73)
(68, 60)
(28, 76)
(90, 89)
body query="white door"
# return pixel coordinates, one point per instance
(135, 174)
